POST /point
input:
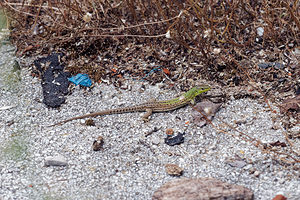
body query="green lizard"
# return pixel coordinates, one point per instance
(152, 106)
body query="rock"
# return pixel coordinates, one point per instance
(98, 144)
(89, 122)
(55, 161)
(173, 170)
(256, 173)
(279, 197)
(155, 140)
(260, 31)
(201, 189)
(170, 131)
(276, 65)
(236, 162)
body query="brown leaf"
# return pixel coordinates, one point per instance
(208, 108)
(166, 71)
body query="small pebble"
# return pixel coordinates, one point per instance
(236, 163)
(256, 173)
(260, 31)
(173, 170)
(156, 140)
(170, 131)
(89, 122)
(98, 144)
(55, 161)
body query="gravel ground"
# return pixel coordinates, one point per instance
(130, 165)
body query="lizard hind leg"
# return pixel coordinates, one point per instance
(147, 115)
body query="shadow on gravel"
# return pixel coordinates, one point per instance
(14, 149)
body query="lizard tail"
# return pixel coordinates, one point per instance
(105, 112)
(81, 117)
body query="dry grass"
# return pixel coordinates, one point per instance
(199, 26)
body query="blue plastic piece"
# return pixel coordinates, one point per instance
(152, 71)
(81, 79)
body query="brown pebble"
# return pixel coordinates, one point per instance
(89, 122)
(98, 144)
(170, 131)
(173, 170)
(279, 197)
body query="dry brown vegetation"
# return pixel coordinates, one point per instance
(216, 40)
(198, 30)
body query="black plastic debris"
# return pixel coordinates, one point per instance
(175, 140)
(54, 80)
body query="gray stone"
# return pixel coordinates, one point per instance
(236, 163)
(201, 189)
(155, 140)
(55, 161)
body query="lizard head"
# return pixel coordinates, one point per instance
(202, 88)
(195, 91)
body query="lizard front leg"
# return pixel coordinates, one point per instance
(192, 102)
(147, 115)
